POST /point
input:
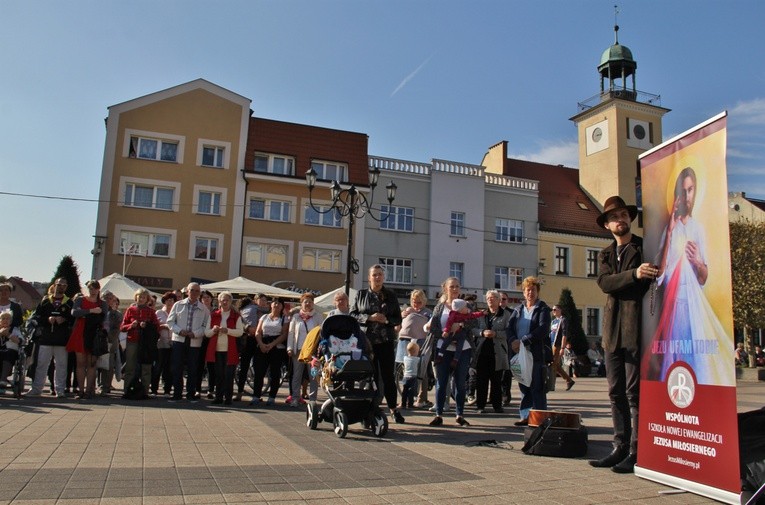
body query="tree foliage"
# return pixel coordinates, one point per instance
(68, 269)
(575, 331)
(747, 255)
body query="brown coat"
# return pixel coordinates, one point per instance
(621, 319)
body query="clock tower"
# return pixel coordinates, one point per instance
(615, 126)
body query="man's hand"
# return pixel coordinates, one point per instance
(647, 271)
(516, 346)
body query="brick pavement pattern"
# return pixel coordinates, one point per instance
(115, 452)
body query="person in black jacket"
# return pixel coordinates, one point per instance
(53, 317)
(625, 278)
(378, 312)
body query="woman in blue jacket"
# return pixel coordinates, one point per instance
(529, 325)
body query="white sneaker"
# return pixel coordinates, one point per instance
(33, 393)
(433, 408)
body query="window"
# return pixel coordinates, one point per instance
(397, 270)
(397, 218)
(330, 171)
(212, 156)
(456, 269)
(325, 217)
(261, 254)
(457, 228)
(153, 149)
(509, 230)
(269, 210)
(593, 321)
(145, 244)
(206, 248)
(209, 203)
(561, 260)
(323, 260)
(508, 278)
(149, 197)
(274, 164)
(592, 262)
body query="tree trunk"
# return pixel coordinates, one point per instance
(749, 345)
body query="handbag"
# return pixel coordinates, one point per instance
(101, 343)
(522, 365)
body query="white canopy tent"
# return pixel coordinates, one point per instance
(121, 287)
(327, 300)
(242, 285)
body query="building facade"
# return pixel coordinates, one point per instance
(452, 219)
(169, 184)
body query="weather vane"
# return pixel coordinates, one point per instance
(616, 24)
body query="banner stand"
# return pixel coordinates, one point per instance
(688, 485)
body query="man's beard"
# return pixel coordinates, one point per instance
(620, 232)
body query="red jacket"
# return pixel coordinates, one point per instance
(232, 356)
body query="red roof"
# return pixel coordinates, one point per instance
(563, 206)
(760, 204)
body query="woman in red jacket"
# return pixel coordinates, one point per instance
(225, 327)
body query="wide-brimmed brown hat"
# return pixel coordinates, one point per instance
(615, 203)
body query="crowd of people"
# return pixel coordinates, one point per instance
(165, 346)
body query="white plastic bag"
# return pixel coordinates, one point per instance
(521, 365)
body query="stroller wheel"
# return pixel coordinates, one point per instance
(379, 424)
(341, 424)
(311, 416)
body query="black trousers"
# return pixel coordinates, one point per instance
(623, 376)
(385, 363)
(245, 359)
(162, 370)
(270, 361)
(485, 374)
(224, 376)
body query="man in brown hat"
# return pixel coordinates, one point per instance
(625, 278)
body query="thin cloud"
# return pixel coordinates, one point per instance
(749, 112)
(411, 76)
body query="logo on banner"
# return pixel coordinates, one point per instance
(681, 387)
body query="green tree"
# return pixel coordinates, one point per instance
(575, 331)
(747, 257)
(67, 269)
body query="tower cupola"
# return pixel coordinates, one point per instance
(617, 63)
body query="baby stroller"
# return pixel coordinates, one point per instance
(347, 377)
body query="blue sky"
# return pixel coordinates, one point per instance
(424, 79)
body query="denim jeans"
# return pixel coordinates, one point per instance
(444, 370)
(534, 396)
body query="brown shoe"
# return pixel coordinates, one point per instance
(522, 422)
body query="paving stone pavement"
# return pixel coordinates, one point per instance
(115, 452)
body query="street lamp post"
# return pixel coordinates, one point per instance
(354, 204)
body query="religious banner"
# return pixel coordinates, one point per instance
(688, 433)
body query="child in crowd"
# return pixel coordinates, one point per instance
(459, 314)
(9, 347)
(409, 381)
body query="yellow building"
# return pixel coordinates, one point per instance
(170, 177)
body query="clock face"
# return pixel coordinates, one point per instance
(639, 133)
(596, 136)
